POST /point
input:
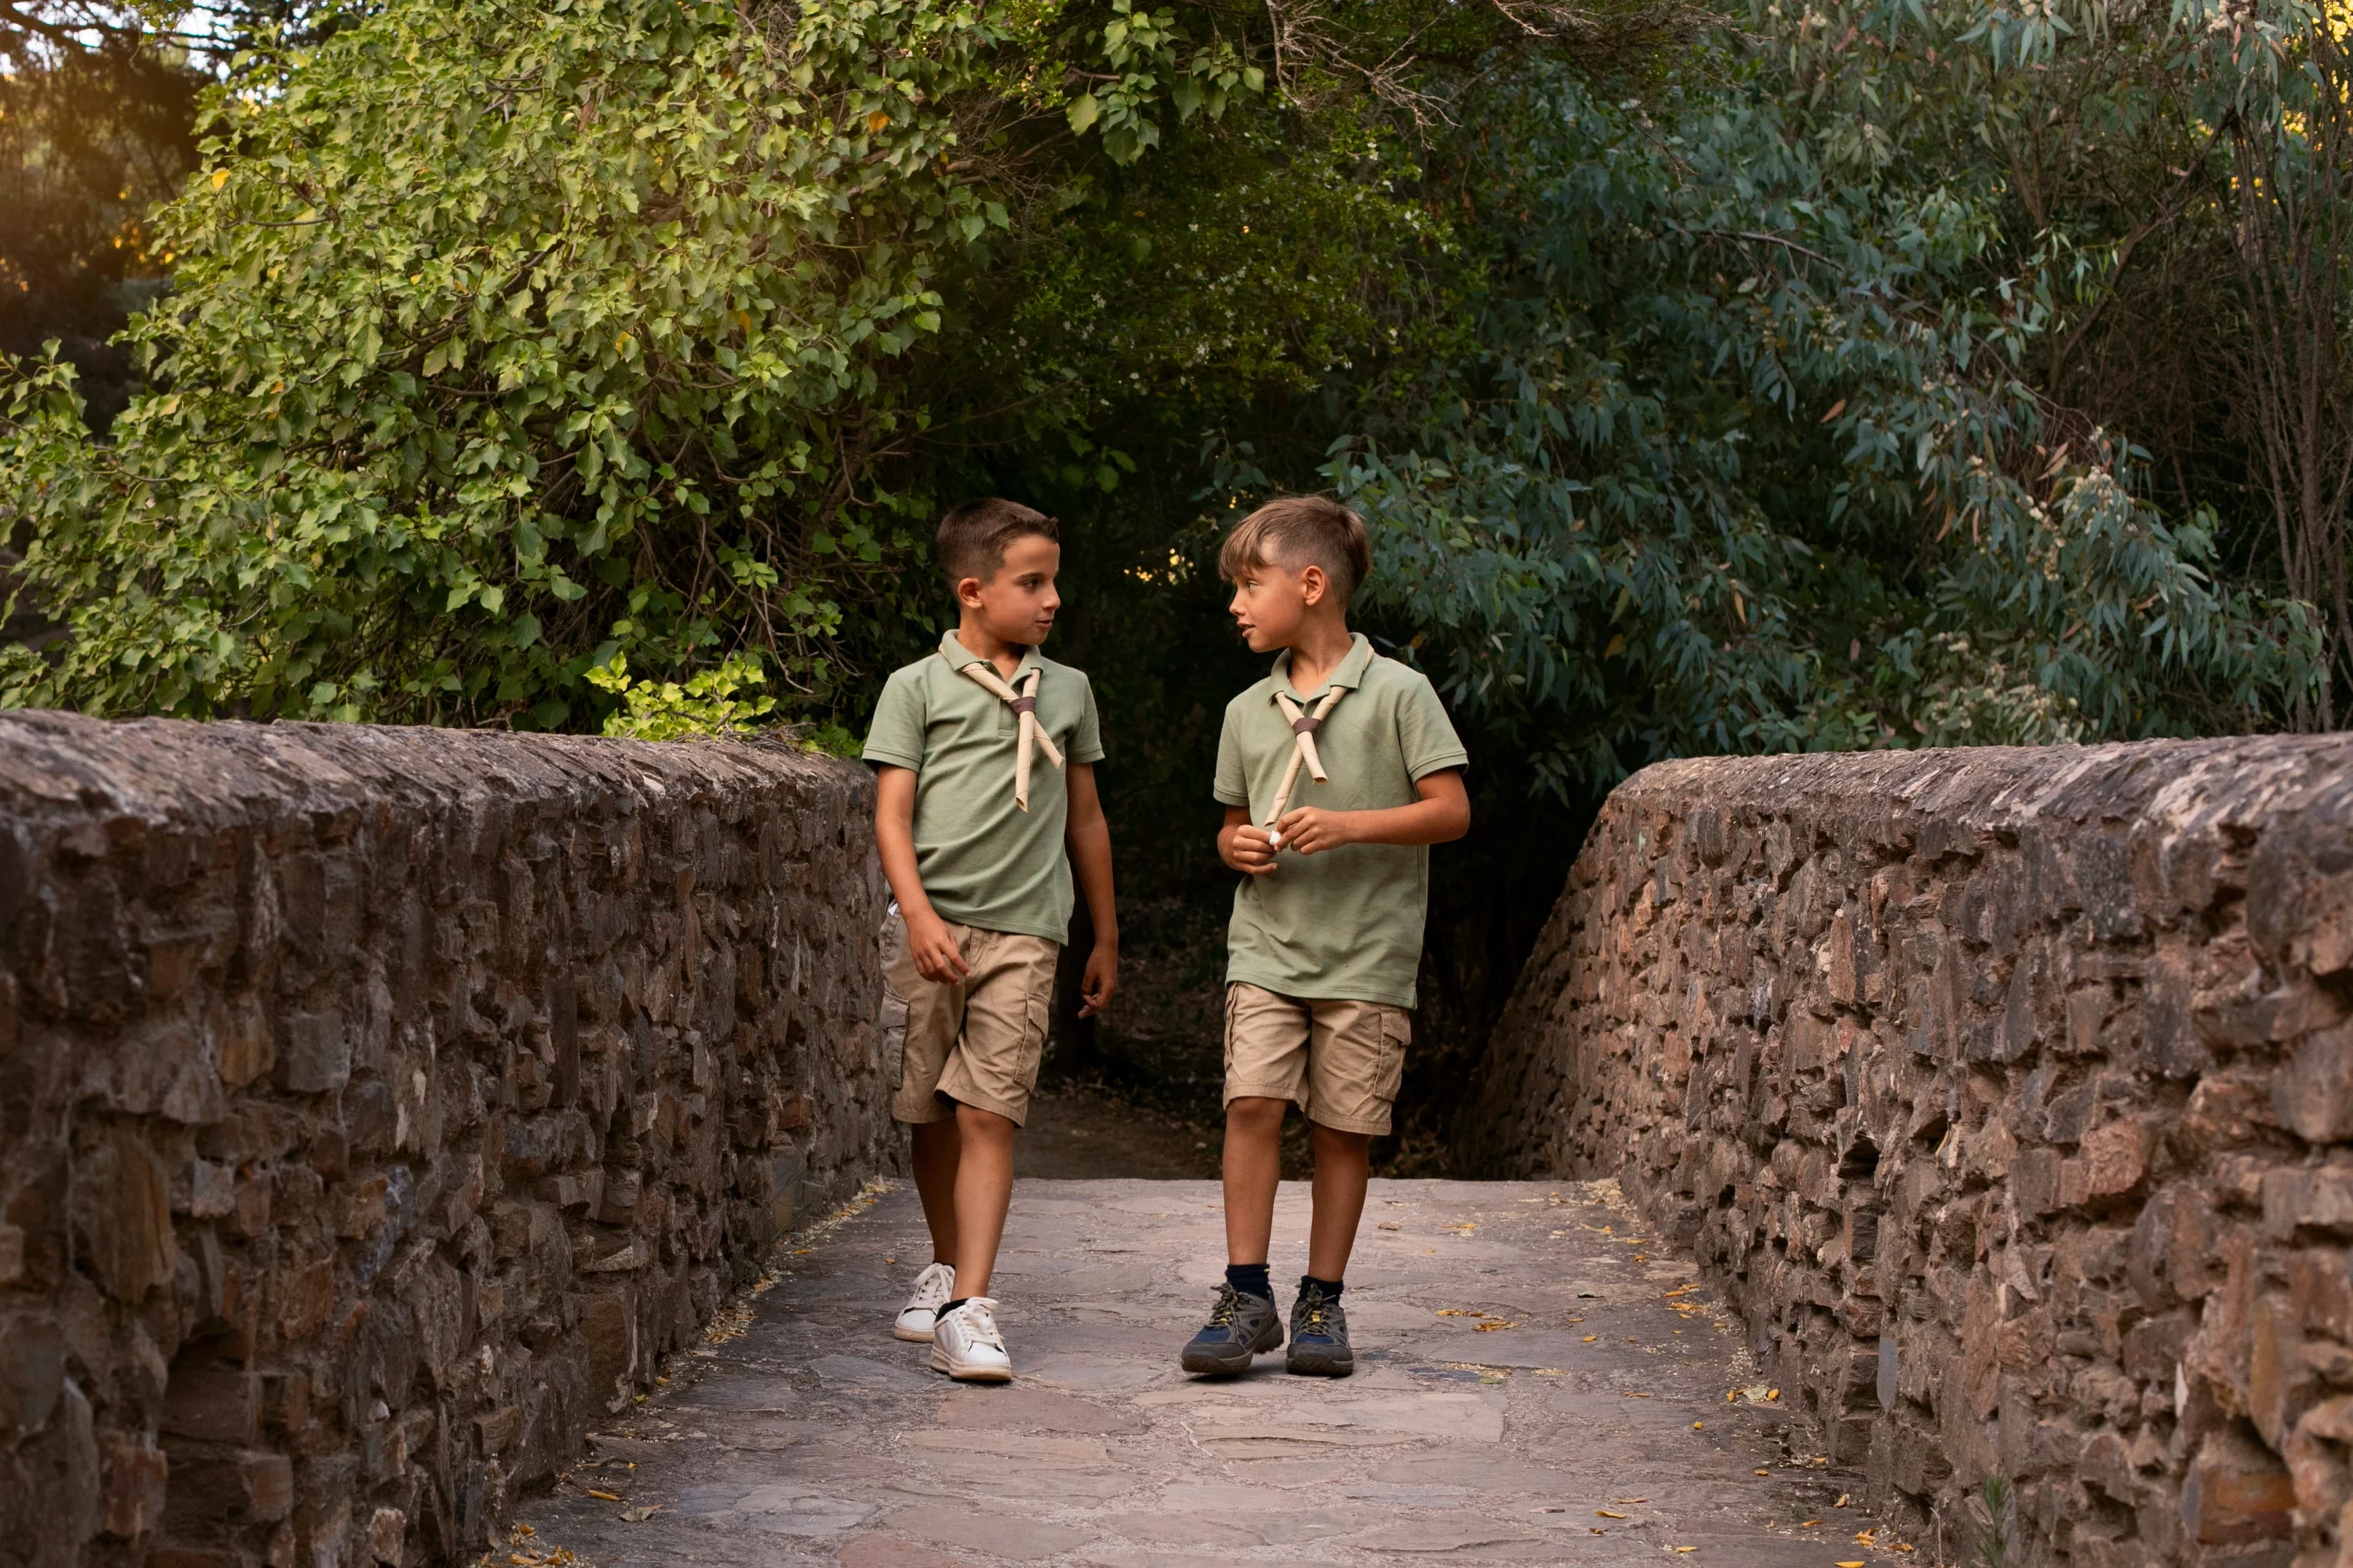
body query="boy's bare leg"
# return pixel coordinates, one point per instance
(1254, 1168)
(1342, 1166)
(938, 1146)
(983, 1191)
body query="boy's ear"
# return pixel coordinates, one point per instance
(967, 592)
(1312, 584)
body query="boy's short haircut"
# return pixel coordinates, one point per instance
(1300, 530)
(974, 536)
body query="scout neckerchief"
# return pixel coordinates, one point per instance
(1303, 727)
(1025, 707)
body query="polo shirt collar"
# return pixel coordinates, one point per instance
(1349, 674)
(958, 656)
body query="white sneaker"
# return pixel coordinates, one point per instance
(967, 1347)
(935, 1287)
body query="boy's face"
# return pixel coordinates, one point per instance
(1016, 602)
(1271, 602)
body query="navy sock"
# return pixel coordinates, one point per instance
(1250, 1279)
(1331, 1287)
(947, 1306)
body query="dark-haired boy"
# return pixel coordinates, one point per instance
(986, 754)
(1337, 772)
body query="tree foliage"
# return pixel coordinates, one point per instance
(1858, 372)
(1703, 398)
(1746, 460)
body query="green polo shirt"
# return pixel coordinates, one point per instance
(984, 861)
(1344, 925)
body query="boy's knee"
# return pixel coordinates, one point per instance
(971, 1122)
(1251, 1113)
(1339, 1141)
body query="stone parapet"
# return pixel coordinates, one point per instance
(2006, 1093)
(377, 1105)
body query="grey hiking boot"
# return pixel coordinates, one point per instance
(1239, 1326)
(1319, 1337)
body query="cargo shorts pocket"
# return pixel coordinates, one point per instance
(1396, 1033)
(1038, 1022)
(892, 1017)
(894, 1032)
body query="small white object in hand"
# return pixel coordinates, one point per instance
(1275, 839)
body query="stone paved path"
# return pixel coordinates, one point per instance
(1530, 1390)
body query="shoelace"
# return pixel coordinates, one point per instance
(1315, 1320)
(1229, 1304)
(983, 1330)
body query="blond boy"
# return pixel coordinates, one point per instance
(1326, 934)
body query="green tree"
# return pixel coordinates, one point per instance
(1746, 461)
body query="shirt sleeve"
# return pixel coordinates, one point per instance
(1232, 787)
(896, 735)
(1424, 734)
(1087, 741)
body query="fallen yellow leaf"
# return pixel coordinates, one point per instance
(1687, 1549)
(606, 1495)
(1696, 1425)
(1606, 1514)
(1591, 1337)
(1809, 1524)
(1857, 1563)
(1843, 1498)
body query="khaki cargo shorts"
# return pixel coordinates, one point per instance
(977, 1042)
(1339, 1062)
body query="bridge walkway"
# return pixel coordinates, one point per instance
(1540, 1380)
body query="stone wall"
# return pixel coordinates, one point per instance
(377, 1105)
(2006, 1094)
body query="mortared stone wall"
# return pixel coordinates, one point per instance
(377, 1105)
(2007, 1094)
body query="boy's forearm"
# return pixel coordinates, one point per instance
(899, 871)
(1090, 854)
(1423, 823)
(894, 844)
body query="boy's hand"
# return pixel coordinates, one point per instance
(1249, 851)
(1310, 829)
(1101, 981)
(933, 951)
